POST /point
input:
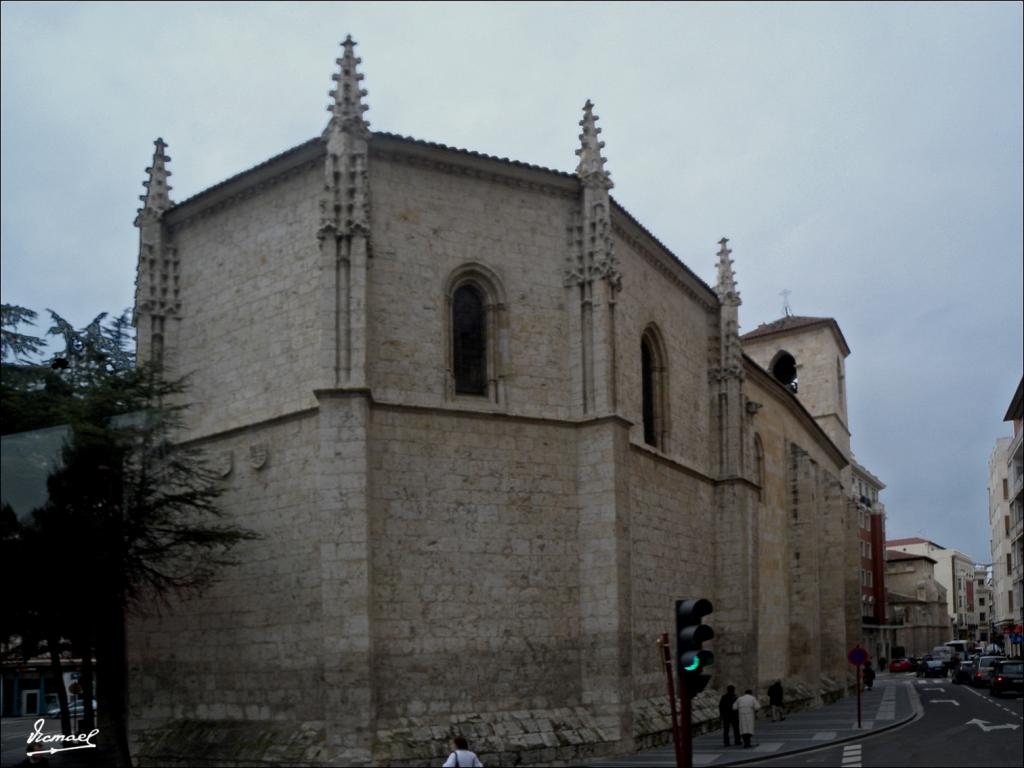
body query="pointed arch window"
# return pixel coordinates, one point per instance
(476, 331)
(653, 386)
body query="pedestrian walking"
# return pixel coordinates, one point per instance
(775, 700)
(746, 706)
(730, 717)
(461, 757)
(869, 676)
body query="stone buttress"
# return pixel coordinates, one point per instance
(592, 281)
(344, 413)
(735, 618)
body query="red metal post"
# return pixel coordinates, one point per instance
(666, 656)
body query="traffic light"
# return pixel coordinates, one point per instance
(691, 659)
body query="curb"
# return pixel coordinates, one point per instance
(917, 712)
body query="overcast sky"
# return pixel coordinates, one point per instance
(866, 157)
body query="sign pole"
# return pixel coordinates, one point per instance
(858, 696)
(857, 656)
(666, 657)
(686, 722)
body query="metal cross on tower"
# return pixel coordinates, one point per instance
(786, 309)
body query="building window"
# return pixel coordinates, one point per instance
(1006, 524)
(476, 330)
(653, 388)
(469, 342)
(784, 370)
(981, 616)
(1006, 488)
(1009, 564)
(759, 466)
(840, 385)
(1009, 601)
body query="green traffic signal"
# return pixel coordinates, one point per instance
(696, 661)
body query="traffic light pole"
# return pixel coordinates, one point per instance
(666, 657)
(686, 723)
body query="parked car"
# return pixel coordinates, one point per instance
(983, 670)
(901, 665)
(964, 673)
(75, 710)
(1007, 677)
(931, 668)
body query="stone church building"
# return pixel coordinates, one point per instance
(490, 429)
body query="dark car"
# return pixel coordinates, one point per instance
(983, 670)
(1007, 677)
(931, 668)
(901, 665)
(964, 673)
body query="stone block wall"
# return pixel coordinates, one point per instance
(248, 650)
(672, 520)
(426, 224)
(474, 531)
(654, 294)
(248, 333)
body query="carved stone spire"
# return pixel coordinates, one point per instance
(157, 198)
(157, 298)
(344, 232)
(591, 167)
(726, 286)
(348, 108)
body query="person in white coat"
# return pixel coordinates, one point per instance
(461, 757)
(747, 706)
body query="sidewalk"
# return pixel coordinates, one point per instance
(892, 702)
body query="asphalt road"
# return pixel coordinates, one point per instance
(959, 726)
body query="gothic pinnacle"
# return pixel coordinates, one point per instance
(591, 167)
(347, 109)
(157, 198)
(726, 287)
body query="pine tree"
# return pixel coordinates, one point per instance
(131, 516)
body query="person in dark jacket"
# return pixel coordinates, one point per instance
(869, 676)
(730, 718)
(775, 700)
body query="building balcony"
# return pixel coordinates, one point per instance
(1016, 448)
(1016, 530)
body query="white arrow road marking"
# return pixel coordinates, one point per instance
(983, 724)
(944, 701)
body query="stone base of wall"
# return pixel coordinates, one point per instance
(203, 743)
(547, 737)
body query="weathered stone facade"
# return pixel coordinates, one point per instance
(497, 564)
